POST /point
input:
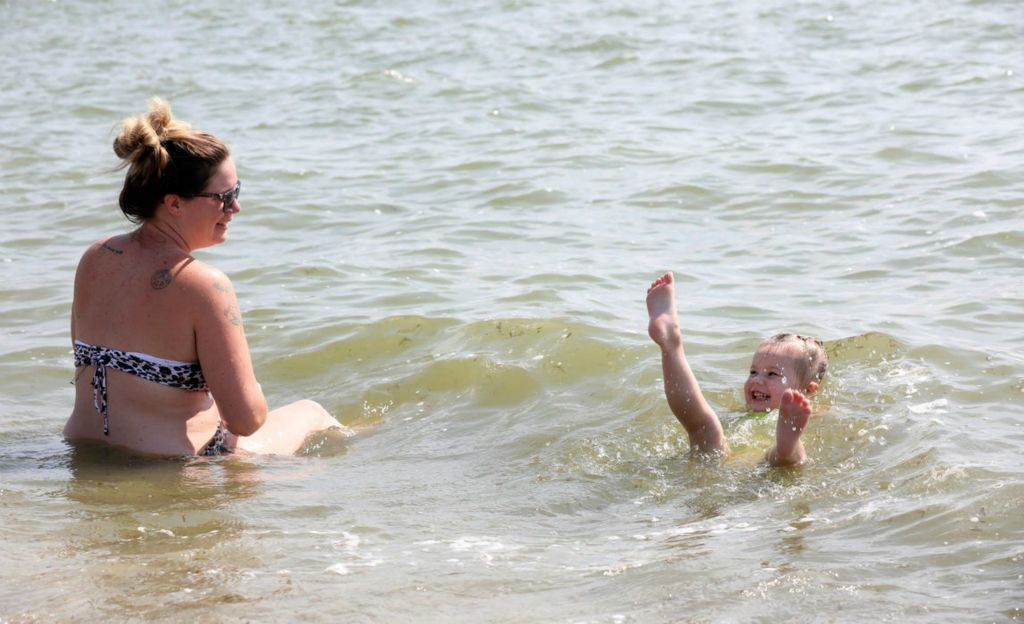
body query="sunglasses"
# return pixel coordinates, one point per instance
(226, 199)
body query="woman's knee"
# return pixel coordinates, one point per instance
(317, 416)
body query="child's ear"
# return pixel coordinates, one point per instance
(811, 388)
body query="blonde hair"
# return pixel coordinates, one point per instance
(163, 156)
(812, 367)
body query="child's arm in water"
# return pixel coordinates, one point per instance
(681, 389)
(794, 412)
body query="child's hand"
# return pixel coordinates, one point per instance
(794, 412)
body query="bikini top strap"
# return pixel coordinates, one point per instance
(91, 354)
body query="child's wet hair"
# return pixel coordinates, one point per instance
(814, 365)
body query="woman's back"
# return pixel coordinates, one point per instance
(132, 294)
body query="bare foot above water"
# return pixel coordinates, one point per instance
(663, 327)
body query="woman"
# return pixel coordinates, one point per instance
(159, 333)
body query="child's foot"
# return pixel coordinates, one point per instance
(661, 306)
(794, 412)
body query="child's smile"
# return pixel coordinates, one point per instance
(772, 372)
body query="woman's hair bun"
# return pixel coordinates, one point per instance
(139, 142)
(159, 116)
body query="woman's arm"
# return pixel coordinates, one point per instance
(224, 353)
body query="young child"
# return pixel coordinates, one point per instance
(785, 370)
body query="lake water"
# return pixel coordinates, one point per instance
(451, 213)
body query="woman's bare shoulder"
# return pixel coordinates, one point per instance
(103, 256)
(115, 244)
(201, 281)
(199, 274)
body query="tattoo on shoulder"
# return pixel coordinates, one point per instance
(111, 249)
(221, 287)
(161, 279)
(232, 316)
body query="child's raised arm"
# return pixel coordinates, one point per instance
(794, 412)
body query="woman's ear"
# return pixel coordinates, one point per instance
(811, 388)
(173, 204)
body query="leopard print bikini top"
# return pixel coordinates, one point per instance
(184, 375)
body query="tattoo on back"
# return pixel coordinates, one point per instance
(111, 249)
(161, 279)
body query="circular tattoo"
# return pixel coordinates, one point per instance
(161, 279)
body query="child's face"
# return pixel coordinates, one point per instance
(773, 371)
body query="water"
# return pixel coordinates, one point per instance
(450, 216)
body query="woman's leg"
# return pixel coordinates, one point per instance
(286, 428)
